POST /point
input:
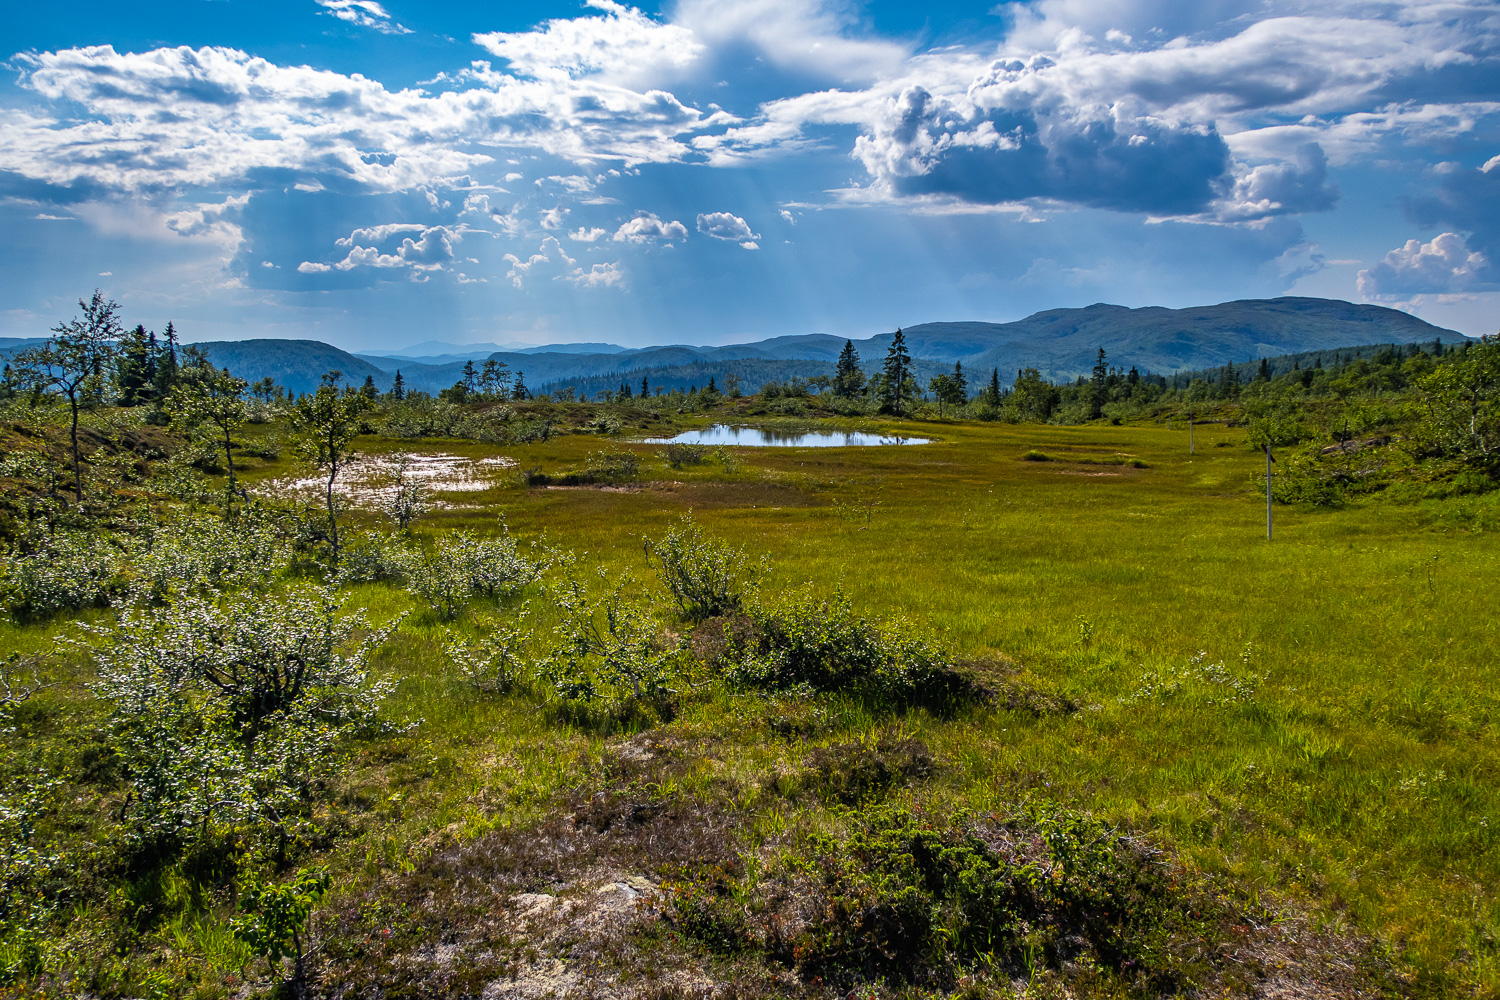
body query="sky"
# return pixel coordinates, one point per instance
(378, 174)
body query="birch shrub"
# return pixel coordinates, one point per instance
(63, 571)
(198, 554)
(232, 711)
(462, 566)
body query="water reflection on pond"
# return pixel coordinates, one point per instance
(760, 437)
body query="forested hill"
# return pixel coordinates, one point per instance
(1061, 343)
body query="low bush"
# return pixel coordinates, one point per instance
(63, 571)
(916, 900)
(462, 566)
(810, 644)
(677, 454)
(705, 577)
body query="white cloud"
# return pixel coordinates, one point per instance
(552, 218)
(809, 36)
(180, 117)
(1446, 265)
(365, 13)
(588, 235)
(551, 254)
(379, 234)
(622, 45)
(428, 253)
(551, 259)
(646, 226)
(725, 226)
(598, 276)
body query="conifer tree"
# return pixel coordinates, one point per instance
(645, 387)
(520, 391)
(849, 378)
(398, 387)
(1098, 386)
(994, 393)
(471, 377)
(134, 377)
(897, 373)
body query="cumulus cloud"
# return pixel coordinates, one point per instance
(429, 252)
(724, 226)
(598, 276)
(809, 36)
(647, 227)
(1234, 123)
(990, 148)
(588, 234)
(1444, 266)
(622, 45)
(551, 260)
(1297, 184)
(177, 117)
(365, 13)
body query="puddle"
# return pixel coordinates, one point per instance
(371, 481)
(760, 437)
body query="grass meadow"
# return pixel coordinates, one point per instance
(1313, 722)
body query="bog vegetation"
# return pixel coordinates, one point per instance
(1034, 710)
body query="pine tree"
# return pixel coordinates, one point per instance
(645, 387)
(848, 378)
(471, 377)
(520, 391)
(369, 388)
(398, 387)
(994, 393)
(1264, 374)
(897, 373)
(960, 383)
(711, 386)
(625, 391)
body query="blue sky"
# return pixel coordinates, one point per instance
(706, 171)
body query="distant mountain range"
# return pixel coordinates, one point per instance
(1061, 343)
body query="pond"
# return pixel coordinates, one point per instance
(760, 437)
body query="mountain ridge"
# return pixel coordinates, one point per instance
(1061, 343)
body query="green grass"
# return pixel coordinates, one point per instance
(1355, 773)
(1363, 775)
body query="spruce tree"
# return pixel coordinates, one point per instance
(520, 391)
(897, 372)
(398, 387)
(645, 387)
(166, 365)
(134, 367)
(960, 383)
(1098, 386)
(848, 378)
(1264, 373)
(471, 377)
(994, 394)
